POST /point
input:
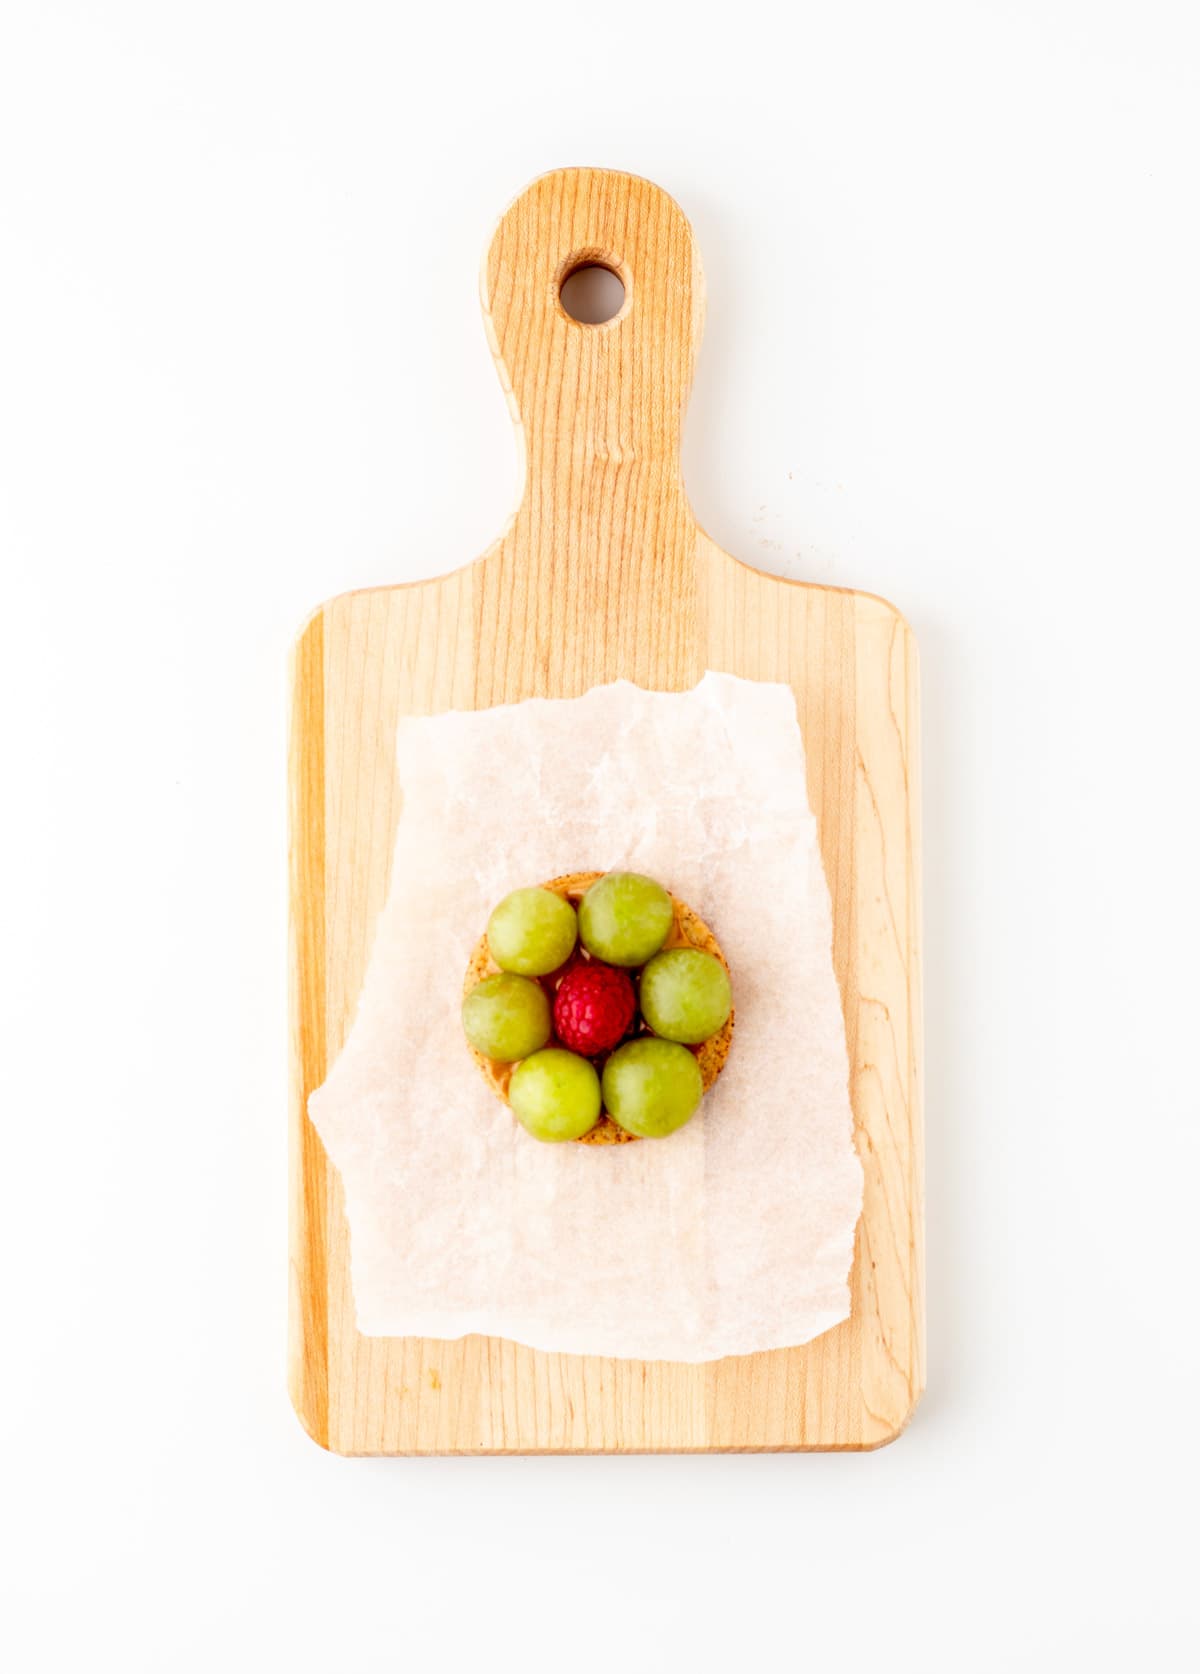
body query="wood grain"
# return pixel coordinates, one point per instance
(604, 573)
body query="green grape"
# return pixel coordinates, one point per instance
(506, 1017)
(651, 1087)
(685, 995)
(532, 932)
(624, 918)
(555, 1095)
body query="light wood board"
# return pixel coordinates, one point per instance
(604, 573)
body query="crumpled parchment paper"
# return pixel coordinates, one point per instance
(734, 1234)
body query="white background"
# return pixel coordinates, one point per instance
(952, 357)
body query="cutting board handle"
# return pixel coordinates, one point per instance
(594, 403)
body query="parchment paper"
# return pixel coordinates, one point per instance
(734, 1234)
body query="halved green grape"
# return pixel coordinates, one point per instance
(625, 918)
(685, 994)
(555, 1095)
(532, 932)
(506, 1017)
(651, 1087)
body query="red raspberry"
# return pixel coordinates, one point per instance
(593, 1008)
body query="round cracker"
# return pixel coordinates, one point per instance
(688, 930)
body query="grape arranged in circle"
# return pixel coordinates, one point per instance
(652, 1087)
(685, 994)
(532, 932)
(594, 1029)
(625, 918)
(506, 1017)
(555, 1095)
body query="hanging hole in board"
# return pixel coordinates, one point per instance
(592, 294)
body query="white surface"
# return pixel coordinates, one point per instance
(952, 357)
(459, 1221)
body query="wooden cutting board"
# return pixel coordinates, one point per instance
(604, 573)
